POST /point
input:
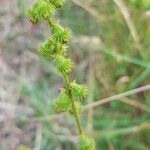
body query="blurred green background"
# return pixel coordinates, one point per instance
(111, 50)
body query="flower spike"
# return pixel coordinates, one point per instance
(55, 48)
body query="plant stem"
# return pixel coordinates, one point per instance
(66, 80)
(49, 22)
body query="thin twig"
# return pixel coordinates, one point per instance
(90, 98)
(88, 8)
(125, 12)
(101, 102)
(135, 104)
(128, 130)
(116, 97)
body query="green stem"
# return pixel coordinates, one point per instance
(49, 22)
(66, 80)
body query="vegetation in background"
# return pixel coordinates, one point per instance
(111, 123)
(105, 56)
